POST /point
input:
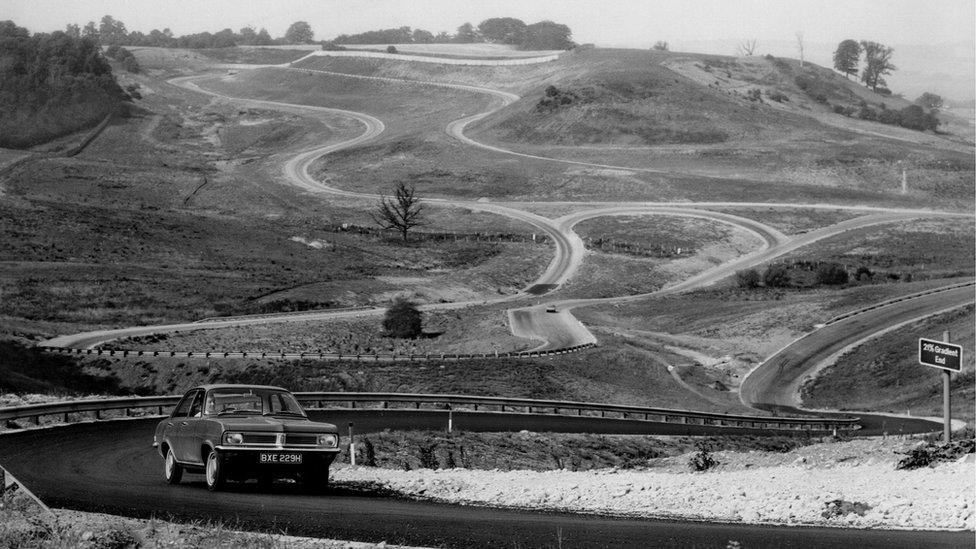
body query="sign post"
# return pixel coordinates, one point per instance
(948, 358)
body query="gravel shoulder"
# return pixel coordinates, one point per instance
(850, 485)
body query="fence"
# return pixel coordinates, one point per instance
(494, 405)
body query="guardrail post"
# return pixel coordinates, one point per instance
(352, 447)
(128, 412)
(65, 418)
(98, 414)
(36, 420)
(450, 419)
(160, 410)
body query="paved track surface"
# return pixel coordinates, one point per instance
(776, 382)
(95, 468)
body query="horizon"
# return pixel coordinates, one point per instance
(702, 26)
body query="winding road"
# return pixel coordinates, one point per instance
(87, 466)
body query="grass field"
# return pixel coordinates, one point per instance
(884, 374)
(910, 250)
(631, 255)
(471, 330)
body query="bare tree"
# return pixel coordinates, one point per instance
(799, 44)
(747, 47)
(402, 212)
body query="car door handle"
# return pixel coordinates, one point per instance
(183, 423)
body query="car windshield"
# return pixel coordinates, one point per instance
(252, 402)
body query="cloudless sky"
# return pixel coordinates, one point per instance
(913, 27)
(635, 23)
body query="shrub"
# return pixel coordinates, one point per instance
(369, 453)
(755, 94)
(841, 508)
(702, 460)
(832, 274)
(391, 49)
(929, 454)
(776, 276)
(778, 97)
(863, 274)
(748, 278)
(403, 320)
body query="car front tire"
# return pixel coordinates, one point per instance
(172, 471)
(216, 479)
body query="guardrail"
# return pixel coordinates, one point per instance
(361, 357)
(452, 403)
(898, 300)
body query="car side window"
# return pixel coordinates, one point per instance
(183, 408)
(196, 409)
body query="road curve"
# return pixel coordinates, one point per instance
(776, 381)
(91, 468)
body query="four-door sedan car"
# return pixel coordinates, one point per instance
(241, 432)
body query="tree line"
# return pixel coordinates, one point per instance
(544, 35)
(110, 31)
(51, 84)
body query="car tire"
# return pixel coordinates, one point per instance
(315, 481)
(172, 471)
(214, 472)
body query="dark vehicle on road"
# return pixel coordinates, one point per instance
(242, 432)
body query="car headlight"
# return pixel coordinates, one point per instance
(233, 438)
(330, 441)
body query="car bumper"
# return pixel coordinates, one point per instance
(249, 460)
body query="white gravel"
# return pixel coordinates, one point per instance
(796, 492)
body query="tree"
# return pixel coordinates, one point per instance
(403, 212)
(846, 57)
(546, 35)
(466, 34)
(90, 31)
(503, 30)
(111, 31)
(877, 63)
(73, 30)
(403, 320)
(747, 47)
(247, 35)
(421, 36)
(930, 101)
(391, 49)
(661, 45)
(263, 38)
(299, 32)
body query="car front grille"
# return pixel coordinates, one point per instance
(302, 440)
(256, 438)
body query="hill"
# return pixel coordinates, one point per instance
(51, 85)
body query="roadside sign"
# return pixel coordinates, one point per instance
(940, 354)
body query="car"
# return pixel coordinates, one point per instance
(551, 309)
(243, 432)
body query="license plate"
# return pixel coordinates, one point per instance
(274, 459)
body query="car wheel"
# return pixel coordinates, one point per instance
(315, 481)
(214, 472)
(172, 471)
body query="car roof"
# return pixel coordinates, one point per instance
(212, 386)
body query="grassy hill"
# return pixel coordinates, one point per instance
(884, 374)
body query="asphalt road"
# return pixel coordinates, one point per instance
(114, 470)
(776, 381)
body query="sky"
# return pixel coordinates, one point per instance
(710, 26)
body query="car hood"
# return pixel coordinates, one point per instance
(269, 424)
